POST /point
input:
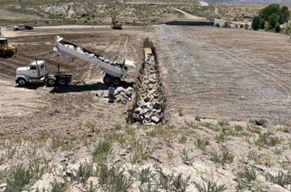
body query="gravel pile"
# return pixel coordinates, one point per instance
(121, 95)
(148, 109)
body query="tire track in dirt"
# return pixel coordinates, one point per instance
(221, 84)
(269, 75)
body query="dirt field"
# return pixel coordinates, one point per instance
(226, 73)
(213, 72)
(66, 111)
(236, 78)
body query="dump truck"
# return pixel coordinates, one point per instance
(6, 49)
(36, 73)
(22, 27)
(114, 71)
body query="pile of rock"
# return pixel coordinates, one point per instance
(147, 113)
(92, 55)
(121, 95)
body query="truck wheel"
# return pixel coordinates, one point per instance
(50, 82)
(116, 81)
(62, 81)
(16, 29)
(107, 79)
(21, 82)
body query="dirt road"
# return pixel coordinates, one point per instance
(242, 76)
(189, 16)
(67, 111)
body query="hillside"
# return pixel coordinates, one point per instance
(253, 1)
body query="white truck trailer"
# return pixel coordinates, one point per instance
(36, 73)
(114, 71)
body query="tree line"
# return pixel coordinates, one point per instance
(274, 15)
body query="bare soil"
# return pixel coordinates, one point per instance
(225, 73)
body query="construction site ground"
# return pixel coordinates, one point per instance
(67, 111)
(225, 73)
(214, 73)
(239, 77)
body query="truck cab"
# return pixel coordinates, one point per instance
(19, 27)
(36, 73)
(32, 73)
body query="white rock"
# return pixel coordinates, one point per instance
(155, 119)
(119, 89)
(140, 103)
(143, 111)
(99, 93)
(148, 105)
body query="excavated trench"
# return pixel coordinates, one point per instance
(150, 102)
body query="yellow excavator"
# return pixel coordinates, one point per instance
(6, 49)
(115, 24)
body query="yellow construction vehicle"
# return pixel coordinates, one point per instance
(6, 49)
(115, 24)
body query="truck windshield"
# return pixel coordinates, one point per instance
(3, 42)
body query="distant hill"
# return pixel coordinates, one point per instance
(254, 1)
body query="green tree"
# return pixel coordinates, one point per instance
(273, 19)
(266, 12)
(284, 15)
(256, 22)
(262, 25)
(277, 28)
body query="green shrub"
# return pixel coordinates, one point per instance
(281, 179)
(247, 26)
(224, 157)
(265, 140)
(58, 187)
(238, 128)
(217, 25)
(202, 143)
(248, 174)
(182, 139)
(181, 111)
(101, 151)
(21, 178)
(113, 179)
(277, 28)
(210, 187)
(83, 173)
(256, 23)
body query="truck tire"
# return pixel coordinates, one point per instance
(107, 79)
(62, 81)
(16, 29)
(50, 82)
(116, 81)
(21, 82)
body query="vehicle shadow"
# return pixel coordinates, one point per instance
(31, 86)
(89, 87)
